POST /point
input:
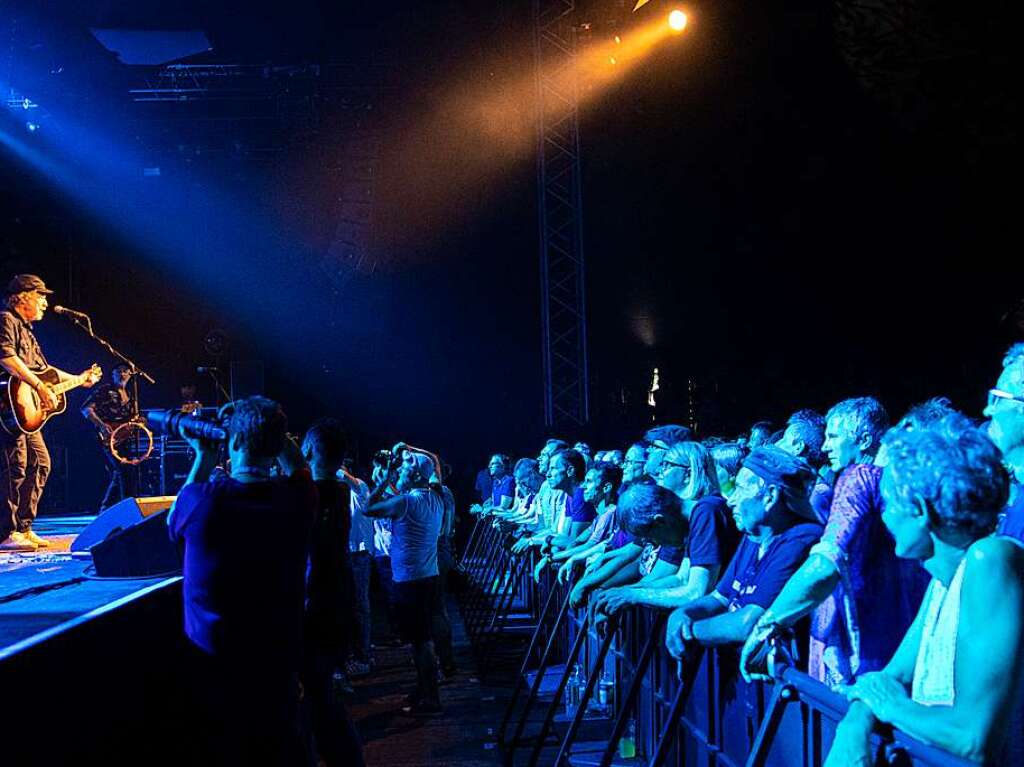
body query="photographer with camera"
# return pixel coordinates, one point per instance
(244, 598)
(416, 514)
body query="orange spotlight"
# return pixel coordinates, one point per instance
(677, 21)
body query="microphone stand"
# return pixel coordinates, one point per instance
(86, 324)
(220, 390)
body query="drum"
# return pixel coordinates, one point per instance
(131, 443)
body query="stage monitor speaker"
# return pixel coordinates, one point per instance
(120, 516)
(139, 551)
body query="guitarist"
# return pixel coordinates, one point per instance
(110, 405)
(24, 459)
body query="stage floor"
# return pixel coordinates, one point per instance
(43, 589)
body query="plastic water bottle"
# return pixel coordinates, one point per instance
(605, 693)
(627, 743)
(572, 691)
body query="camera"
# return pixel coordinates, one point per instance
(382, 458)
(183, 425)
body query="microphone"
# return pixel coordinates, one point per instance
(204, 369)
(69, 312)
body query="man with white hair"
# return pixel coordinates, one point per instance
(416, 515)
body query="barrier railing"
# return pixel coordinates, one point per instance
(672, 714)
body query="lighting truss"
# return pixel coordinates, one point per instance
(563, 295)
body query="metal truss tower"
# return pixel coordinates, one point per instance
(563, 295)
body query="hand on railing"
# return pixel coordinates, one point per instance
(544, 561)
(852, 744)
(579, 594)
(880, 692)
(754, 656)
(678, 632)
(565, 571)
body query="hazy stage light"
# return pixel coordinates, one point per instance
(32, 127)
(677, 20)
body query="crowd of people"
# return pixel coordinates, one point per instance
(890, 554)
(275, 632)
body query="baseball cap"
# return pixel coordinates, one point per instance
(793, 476)
(22, 283)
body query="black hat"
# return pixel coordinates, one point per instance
(792, 475)
(22, 283)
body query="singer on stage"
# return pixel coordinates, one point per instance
(24, 459)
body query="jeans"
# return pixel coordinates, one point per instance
(387, 584)
(324, 715)
(362, 622)
(442, 627)
(24, 467)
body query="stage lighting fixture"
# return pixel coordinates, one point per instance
(32, 127)
(677, 20)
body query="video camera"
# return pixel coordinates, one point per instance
(183, 425)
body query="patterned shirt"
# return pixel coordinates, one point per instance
(18, 340)
(859, 626)
(110, 403)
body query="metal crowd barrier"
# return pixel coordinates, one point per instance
(696, 713)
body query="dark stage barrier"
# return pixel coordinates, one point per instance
(637, 705)
(104, 688)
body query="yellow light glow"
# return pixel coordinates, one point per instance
(618, 40)
(677, 20)
(612, 60)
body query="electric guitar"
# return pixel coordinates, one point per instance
(22, 412)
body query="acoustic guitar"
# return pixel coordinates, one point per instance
(22, 412)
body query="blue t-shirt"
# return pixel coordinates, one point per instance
(1012, 523)
(752, 581)
(580, 510)
(414, 534)
(242, 597)
(712, 537)
(503, 488)
(484, 484)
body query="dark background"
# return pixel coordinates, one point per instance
(792, 203)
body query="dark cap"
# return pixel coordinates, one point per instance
(23, 283)
(792, 475)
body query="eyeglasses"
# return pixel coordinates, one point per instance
(666, 465)
(995, 395)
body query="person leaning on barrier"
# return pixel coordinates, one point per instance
(599, 489)
(549, 503)
(770, 506)
(571, 513)
(524, 512)
(690, 557)
(955, 680)
(622, 554)
(862, 598)
(502, 487)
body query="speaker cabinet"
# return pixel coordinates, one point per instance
(120, 516)
(139, 551)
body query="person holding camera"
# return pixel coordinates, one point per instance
(416, 514)
(245, 540)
